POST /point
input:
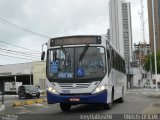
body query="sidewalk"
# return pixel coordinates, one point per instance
(145, 91)
(153, 108)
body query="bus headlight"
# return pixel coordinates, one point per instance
(52, 90)
(99, 89)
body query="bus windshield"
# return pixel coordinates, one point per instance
(75, 63)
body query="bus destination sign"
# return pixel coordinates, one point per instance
(75, 40)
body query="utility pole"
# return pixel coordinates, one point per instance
(128, 81)
(3, 94)
(155, 57)
(151, 67)
(30, 78)
(3, 105)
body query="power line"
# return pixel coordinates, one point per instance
(18, 46)
(19, 54)
(15, 57)
(12, 48)
(22, 28)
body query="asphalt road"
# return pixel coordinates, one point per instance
(134, 103)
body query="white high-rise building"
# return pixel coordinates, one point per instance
(127, 31)
(116, 25)
(120, 27)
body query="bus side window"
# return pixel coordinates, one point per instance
(116, 61)
(113, 59)
(109, 61)
(124, 67)
(121, 65)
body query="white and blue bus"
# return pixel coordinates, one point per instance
(84, 70)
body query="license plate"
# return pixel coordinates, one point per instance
(74, 99)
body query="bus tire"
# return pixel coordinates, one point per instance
(108, 106)
(121, 100)
(65, 107)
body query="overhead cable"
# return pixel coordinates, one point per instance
(21, 28)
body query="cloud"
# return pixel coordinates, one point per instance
(56, 18)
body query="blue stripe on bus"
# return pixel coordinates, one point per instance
(84, 99)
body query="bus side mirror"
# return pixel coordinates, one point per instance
(42, 55)
(43, 52)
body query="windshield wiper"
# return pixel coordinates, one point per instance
(83, 53)
(67, 55)
(67, 59)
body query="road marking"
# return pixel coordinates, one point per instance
(38, 104)
(24, 111)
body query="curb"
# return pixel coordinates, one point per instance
(17, 104)
(39, 100)
(149, 93)
(28, 102)
(154, 95)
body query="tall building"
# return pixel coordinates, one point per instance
(120, 28)
(156, 23)
(116, 28)
(127, 31)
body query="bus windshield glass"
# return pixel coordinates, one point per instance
(73, 63)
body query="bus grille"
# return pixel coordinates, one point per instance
(74, 85)
(76, 94)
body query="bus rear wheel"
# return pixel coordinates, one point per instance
(121, 100)
(65, 107)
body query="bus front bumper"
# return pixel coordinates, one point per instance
(99, 98)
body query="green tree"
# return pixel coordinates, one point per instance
(147, 62)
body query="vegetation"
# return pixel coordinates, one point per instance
(147, 63)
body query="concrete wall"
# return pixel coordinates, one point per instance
(37, 69)
(138, 80)
(137, 77)
(39, 74)
(16, 69)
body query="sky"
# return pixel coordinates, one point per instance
(55, 18)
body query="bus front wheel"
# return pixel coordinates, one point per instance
(108, 106)
(65, 107)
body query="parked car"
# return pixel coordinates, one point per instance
(28, 91)
(42, 92)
